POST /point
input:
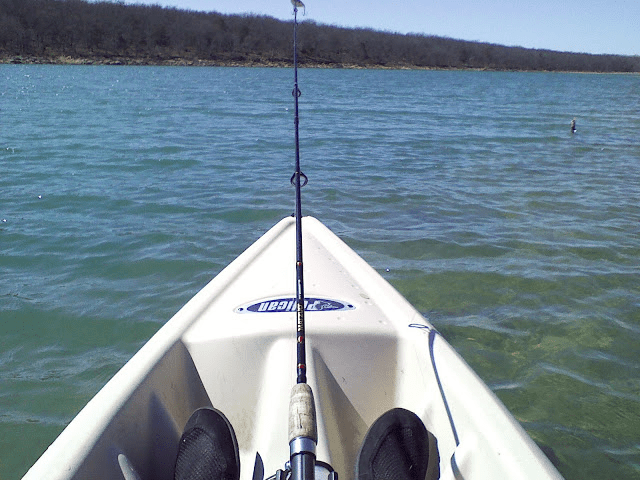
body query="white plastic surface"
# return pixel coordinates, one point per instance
(375, 354)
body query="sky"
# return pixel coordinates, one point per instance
(590, 26)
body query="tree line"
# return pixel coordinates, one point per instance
(52, 31)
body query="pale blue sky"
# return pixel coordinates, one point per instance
(592, 26)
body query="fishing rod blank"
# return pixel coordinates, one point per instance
(303, 433)
(299, 180)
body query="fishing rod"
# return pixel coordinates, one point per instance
(303, 432)
(298, 180)
(303, 429)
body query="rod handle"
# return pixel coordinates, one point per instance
(302, 413)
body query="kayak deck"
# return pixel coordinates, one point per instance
(233, 347)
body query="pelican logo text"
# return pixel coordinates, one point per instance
(276, 306)
(290, 305)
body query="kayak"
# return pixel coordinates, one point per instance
(231, 347)
(377, 393)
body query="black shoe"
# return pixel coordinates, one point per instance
(398, 447)
(208, 448)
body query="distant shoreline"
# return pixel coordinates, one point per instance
(113, 33)
(185, 62)
(252, 62)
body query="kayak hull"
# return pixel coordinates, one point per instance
(232, 347)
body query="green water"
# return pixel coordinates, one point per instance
(123, 190)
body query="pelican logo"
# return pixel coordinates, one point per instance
(290, 305)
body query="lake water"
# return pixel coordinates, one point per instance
(124, 190)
